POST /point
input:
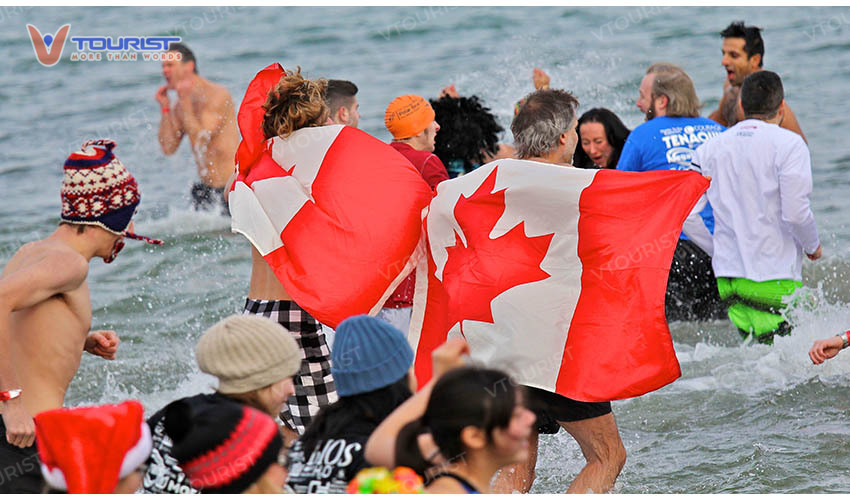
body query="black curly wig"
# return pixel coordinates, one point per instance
(468, 131)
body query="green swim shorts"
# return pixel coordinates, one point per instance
(755, 306)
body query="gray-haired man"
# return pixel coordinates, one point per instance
(545, 131)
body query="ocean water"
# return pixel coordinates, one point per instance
(742, 418)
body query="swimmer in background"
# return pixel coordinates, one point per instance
(602, 136)
(203, 111)
(743, 54)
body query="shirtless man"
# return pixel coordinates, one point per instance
(743, 53)
(45, 309)
(204, 112)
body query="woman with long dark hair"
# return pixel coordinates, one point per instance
(458, 431)
(601, 137)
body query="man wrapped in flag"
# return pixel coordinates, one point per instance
(334, 218)
(557, 276)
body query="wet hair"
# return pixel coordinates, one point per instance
(753, 42)
(81, 228)
(468, 131)
(672, 82)
(762, 94)
(295, 103)
(545, 115)
(371, 407)
(186, 54)
(615, 132)
(339, 93)
(463, 397)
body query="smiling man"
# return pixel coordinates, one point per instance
(45, 308)
(743, 54)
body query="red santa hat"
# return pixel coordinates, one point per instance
(87, 450)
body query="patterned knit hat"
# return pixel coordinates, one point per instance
(221, 446)
(87, 450)
(98, 190)
(247, 352)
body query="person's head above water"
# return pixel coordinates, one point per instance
(468, 131)
(762, 95)
(295, 103)
(666, 90)
(98, 192)
(411, 119)
(174, 70)
(602, 136)
(341, 98)
(743, 51)
(545, 127)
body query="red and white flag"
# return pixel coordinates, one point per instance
(555, 274)
(335, 212)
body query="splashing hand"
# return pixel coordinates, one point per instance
(540, 79)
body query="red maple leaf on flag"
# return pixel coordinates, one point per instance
(479, 271)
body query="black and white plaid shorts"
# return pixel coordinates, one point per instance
(314, 384)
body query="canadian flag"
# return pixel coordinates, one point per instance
(335, 212)
(555, 274)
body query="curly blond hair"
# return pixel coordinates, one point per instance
(295, 103)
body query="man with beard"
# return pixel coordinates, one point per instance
(743, 54)
(204, 112)
(666, 141)
(45, 308)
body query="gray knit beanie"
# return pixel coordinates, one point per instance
(247, 352)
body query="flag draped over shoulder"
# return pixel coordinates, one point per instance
(555, 274)
(335, 212)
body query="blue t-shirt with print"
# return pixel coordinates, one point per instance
(668, 143)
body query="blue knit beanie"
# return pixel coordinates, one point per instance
(368, 354)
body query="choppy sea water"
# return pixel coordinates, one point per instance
(743, 418)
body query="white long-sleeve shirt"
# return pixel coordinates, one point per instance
(761, 182)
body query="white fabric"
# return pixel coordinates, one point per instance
(282, 197)
(761, 182)
(398, 317)
(694, 228)
(535, 357)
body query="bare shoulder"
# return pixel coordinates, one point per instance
(51, 257)
(218, 93)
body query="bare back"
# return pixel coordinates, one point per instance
(47, 338)
(264, 283)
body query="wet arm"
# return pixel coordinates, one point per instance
(790, 123)
(170, 132)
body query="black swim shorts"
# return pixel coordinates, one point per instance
(552, 408)
(20, 471)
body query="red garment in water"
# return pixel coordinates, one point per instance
(426, 162)
(434, 172)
